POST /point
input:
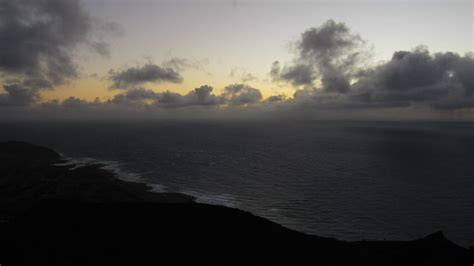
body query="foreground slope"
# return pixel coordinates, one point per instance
(54, 214)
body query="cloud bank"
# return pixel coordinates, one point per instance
(201, 96)
(331, 74)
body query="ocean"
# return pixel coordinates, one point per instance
(348, 180)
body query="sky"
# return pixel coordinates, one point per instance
(247, 57)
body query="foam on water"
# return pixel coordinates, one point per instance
(227, 200)
(113, 167)
(157, 188)
(116, 168)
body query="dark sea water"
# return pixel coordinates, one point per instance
(349, 180)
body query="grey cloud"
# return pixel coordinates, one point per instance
(242, 75)
(276, 98)
(442, 81)
(134, 76)
(201, 96)
(335, 81)
(241, 94)
(140, 94)
(329, 53)
(23, 92)
(332, 55)
(18, 95)
(275, 71)
(101, 47)
(37, 83)
(463, 69)
(299, 74)
(37, 38)
(408, 70)
(236, 94)
(328, 43)
(180, 64)
(134, 95)
(73, 102)
(170, 99)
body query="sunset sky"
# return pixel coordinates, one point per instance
(218, 43)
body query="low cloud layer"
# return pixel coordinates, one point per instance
(328, 72)
(331, 74)
(235, 94)
(240, 94)
(440, 81)
(201, 96)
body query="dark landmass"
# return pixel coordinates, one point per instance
(54, 214)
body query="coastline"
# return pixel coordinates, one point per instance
(44, 205)
(48, 176)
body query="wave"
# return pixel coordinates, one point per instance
(112, 166)
(116, 168)
(224, 199)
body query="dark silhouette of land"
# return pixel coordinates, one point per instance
(55, 215)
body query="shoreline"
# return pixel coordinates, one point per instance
(135, 180)
(125, 177)
(67, 181)
(43, 206)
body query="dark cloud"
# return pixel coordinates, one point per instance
(276, 98)
(328, 43)
(38, 39)
(299, 74)
(328, 53)
(140, 94)
(332, 55)
(73, 102)
(335, 81)
(201, 96)
(240, 94)
(236, 94)
(137, 95)
(18, 95)
(170, 99)
(23, 92)
(134, 76)
(327, 72)
(275, 71)
(441, 80)
(37, 83)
